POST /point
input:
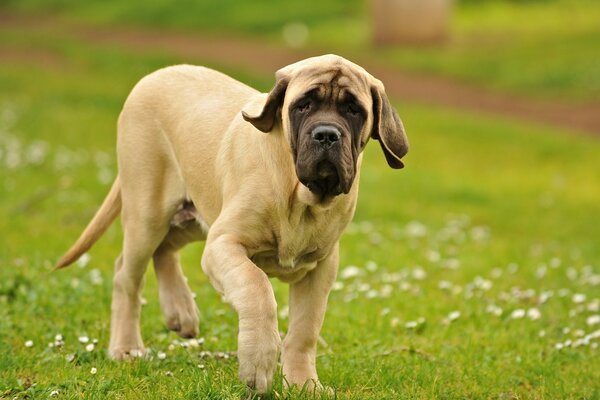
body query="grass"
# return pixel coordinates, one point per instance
(489, 217)
(542, 49)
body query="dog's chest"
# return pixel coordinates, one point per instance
(298, 246)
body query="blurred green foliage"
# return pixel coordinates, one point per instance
(543, 48)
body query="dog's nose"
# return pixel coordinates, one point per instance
(326, 135)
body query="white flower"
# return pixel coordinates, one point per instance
(419, 274)
(371, 266)
(494, 310)
(83, 339)
(444, 285)
(454, 315)
(351, 271)
(518, 313)
(364, 287)
(161, 355)
(284, 312)
(337, 286)
(411, 324)
(534, 313)
(416, 229)
(496, 273)
(93, 371)
(136, 353)
(482, 283)
(96, 277)
(544, 296)
(386, 290)
(29, 343)
(83, 260)
(541, 270)
(593, 320)
(451, 263)
(480, 233)
(578, 298)
(54, 393)
(558, 346)
(90, 347)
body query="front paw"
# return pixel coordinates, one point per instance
(258, 355)
(126, 353)
(309, 386)
(299, 370)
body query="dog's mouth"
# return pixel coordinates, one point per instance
(325, 182)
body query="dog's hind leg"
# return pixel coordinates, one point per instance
(176, 299)
(141, 238)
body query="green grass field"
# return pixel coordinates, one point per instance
(473, 273)
(538, 48)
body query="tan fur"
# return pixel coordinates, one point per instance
(182, 139)
(104, 217)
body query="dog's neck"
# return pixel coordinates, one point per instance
(304, 201)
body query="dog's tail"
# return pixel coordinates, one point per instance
(106, 214)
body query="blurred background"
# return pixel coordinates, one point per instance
(538, 48)
(501, 102)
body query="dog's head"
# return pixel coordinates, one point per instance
(328, 108)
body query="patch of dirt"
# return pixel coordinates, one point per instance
(265, 58)
(41, 58)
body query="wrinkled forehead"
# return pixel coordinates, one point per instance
(337, 82)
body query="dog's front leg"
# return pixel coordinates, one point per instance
(308, 302)
(247, 288)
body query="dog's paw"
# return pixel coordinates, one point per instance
(257, 355)
(181, 312)
(125, 353)
(310, 386)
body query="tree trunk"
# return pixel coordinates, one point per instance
(410, 21)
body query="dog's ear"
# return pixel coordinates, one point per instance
(271, 109)
(387, 128)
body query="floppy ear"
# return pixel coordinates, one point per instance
(388, 129)
(270, 111)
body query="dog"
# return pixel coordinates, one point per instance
(268, 180)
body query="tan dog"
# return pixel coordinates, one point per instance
(193, 165)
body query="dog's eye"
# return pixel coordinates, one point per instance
(352, 109)
(303, 107)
